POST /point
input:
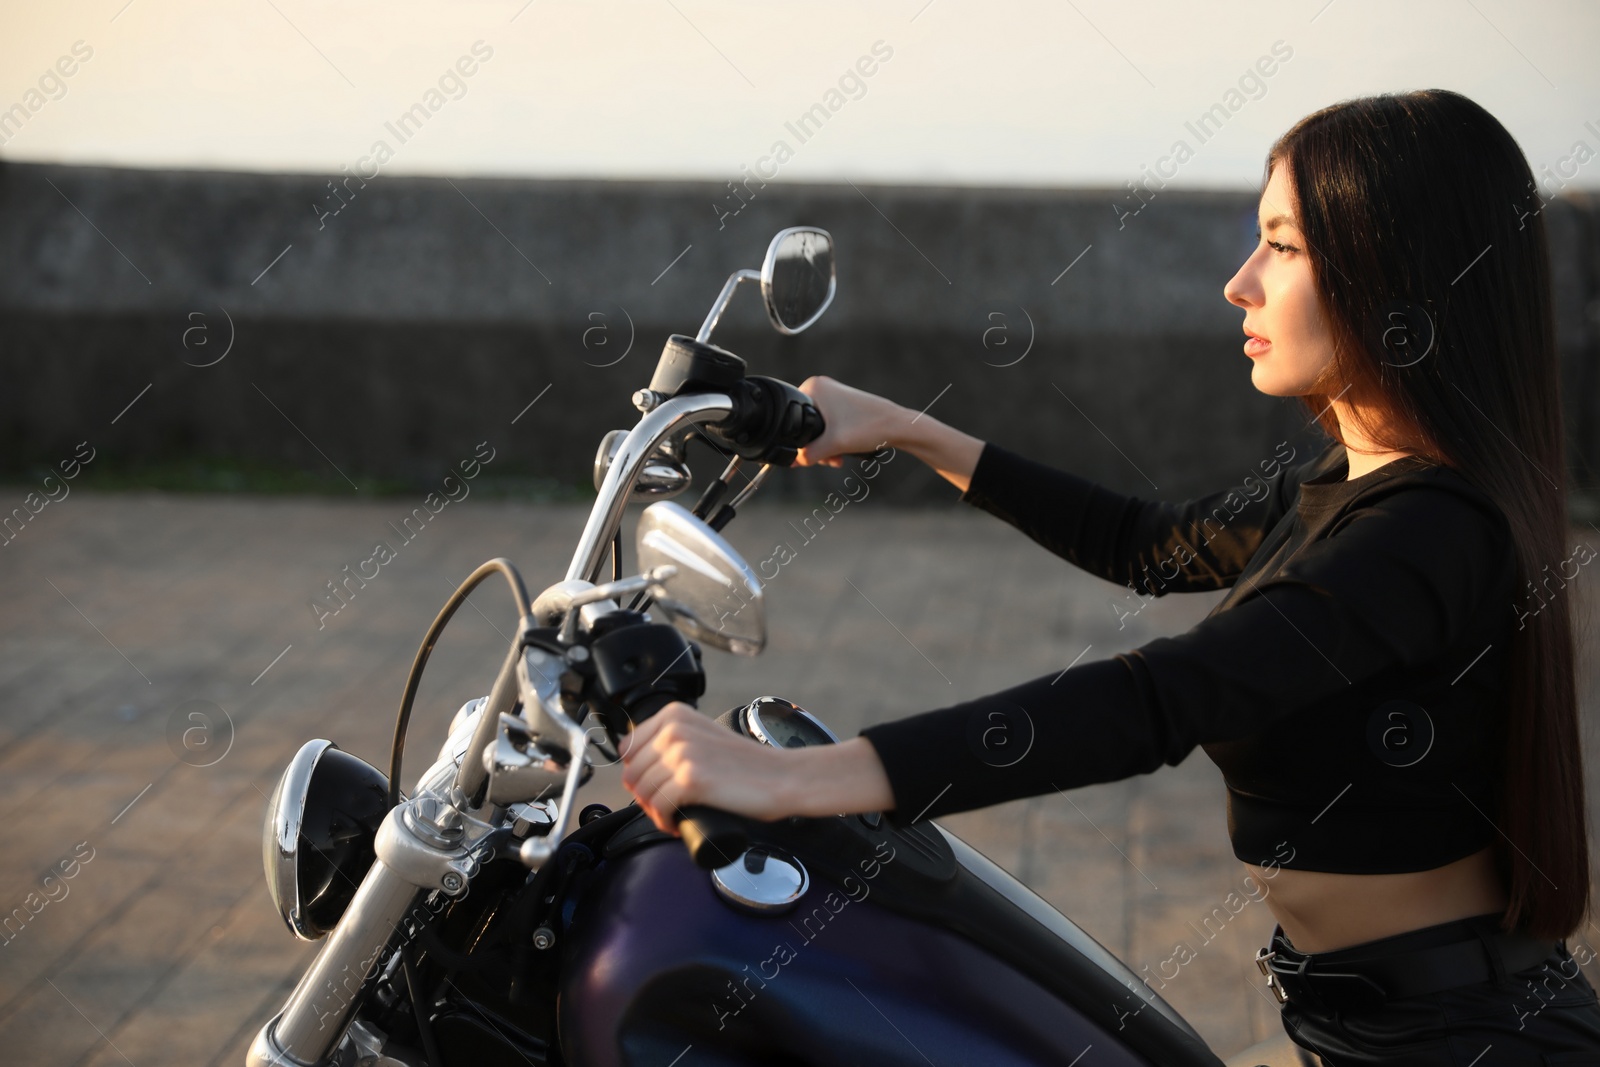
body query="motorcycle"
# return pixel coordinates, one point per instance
(488, 920)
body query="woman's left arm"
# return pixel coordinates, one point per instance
(1398, 584)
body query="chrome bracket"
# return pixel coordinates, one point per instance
(520, 769)
(433, 845)
(1264, 958)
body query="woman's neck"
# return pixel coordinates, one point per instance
(1362, 454)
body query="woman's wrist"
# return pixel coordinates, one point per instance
(840, 779)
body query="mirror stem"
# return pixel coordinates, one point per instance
(728, 287)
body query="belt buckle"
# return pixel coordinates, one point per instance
(1264, 958)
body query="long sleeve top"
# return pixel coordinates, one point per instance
(1351, 686)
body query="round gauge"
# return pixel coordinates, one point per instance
(784, 724)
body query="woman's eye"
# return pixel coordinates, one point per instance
(1277, 246)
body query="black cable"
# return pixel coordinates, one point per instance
(430, 1047)
(616, 554)
(519, 592)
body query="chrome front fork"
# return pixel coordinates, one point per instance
(319, 1010)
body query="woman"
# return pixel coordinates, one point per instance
(1388, 687)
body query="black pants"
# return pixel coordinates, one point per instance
(1544, 1015)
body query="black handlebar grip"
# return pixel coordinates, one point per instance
(714, 838)
(802, 419)
(771, 421)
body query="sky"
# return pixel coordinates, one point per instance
(1022, 93)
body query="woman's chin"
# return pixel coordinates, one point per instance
(1269, 380)
(1265, 381)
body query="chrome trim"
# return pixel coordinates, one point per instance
(530, 816)
(752, 720)
(780, 881)
(433, 845)
(535, 850)
(454, 749)
(1058, 925)
(282, 835)
(520, 770)
(605, 454)
(366, 1044)
(468, 712)
(592, 603)
(654, 426)
(470, 775)
(265, 1051)
(539, 688)
(552, 605)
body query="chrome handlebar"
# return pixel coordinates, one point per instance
(656, 426)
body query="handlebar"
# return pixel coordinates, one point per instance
(656, 425)
(758, 418)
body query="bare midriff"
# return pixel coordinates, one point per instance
(1321, 912)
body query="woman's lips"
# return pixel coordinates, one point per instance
(1256, 346)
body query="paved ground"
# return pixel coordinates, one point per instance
(163, 947)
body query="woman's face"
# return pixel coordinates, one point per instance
(1288, 340)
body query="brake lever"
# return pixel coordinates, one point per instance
(744, 494)
(717, 489)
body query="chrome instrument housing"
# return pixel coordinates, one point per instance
(762, 717)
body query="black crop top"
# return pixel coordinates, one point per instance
(1351, 686)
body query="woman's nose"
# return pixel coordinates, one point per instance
(1243, 289)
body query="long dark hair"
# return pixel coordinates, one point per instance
(1427, 244)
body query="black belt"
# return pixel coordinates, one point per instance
(1331, 980)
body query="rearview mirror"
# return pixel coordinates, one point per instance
(714, 597)
(797, 278)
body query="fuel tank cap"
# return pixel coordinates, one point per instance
(762, 880)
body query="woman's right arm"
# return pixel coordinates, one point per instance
(859, 421)
(1150, 546)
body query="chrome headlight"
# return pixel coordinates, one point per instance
(316, 845)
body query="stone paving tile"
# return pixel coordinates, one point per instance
(166, 948)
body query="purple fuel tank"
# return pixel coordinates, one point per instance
(659, 969)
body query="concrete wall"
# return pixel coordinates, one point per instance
(387, 337)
